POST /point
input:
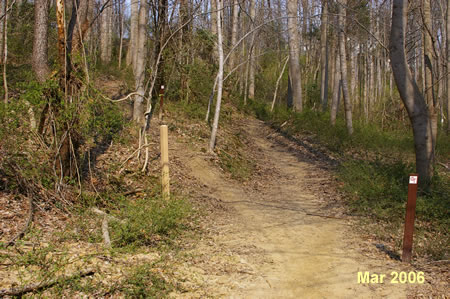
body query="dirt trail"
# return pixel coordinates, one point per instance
(305, 256)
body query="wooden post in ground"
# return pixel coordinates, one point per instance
(409, 221)
(161, 102)
(165, 184)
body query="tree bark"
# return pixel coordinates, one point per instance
(336, 89)
(2, 11)
(252, 60)
(324, 56)
(428, 59)
(448, 67)
(105, 33)
(294, 54)
(138, 107)
(409, 92)
(234, 32)
(347, 102)
(214, 28)
(132, 46)
(40, 40)
(5, 50)
(212, 142)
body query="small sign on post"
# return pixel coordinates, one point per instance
(165, 184)
(161, 102)
(409, 219)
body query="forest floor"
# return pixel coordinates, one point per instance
(281, 232)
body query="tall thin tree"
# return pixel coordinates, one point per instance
(294, 54)
(409, 92)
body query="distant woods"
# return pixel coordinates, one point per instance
(339, 56)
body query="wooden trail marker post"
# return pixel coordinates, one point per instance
(409, 219)
(165, 184)
(161, 102)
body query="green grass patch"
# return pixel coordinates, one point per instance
(145, 282)
(148, 221)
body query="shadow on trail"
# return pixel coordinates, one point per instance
(302, 150)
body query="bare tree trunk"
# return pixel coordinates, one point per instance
(347, 103)
(214, 27)
(40, 40)
(252, 52)
(448, 67)
(5, 50)
(138, 107)
(104, 34)
(132, 45)
(294, 54)
(278, 84)
(337, 89)
(120, 32)
(324, 56)
(428, 59)
(212, 142)
(410, 94)
(234, 32)
(2, 11)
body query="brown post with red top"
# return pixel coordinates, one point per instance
(409, 221)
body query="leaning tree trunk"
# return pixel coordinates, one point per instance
(410, 94)
(294, 54)
(215, 126)
(324, 56)
(342, 54)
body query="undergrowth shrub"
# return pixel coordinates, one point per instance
(149, 220)
(144, 282)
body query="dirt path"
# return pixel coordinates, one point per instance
(303, 256)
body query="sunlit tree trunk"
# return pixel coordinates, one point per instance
(336, 89)
(132, 45)
(409, 92)
(214, 27)
(234, 32)
(294, 54)
(40, 43)
(252, 53)
(138, 108)
(215, 125)
(105, 25)
(343, 61)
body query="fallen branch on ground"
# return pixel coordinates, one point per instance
(45, 284)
